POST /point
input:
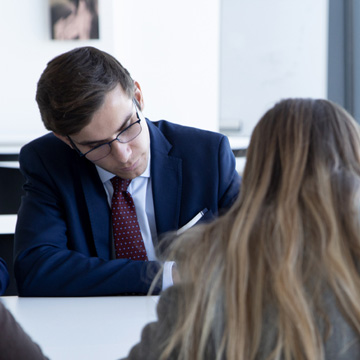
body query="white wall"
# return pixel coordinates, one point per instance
(25, 50)
(171, 48)
(276, 49)
(270, 50)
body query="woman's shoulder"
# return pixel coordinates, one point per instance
(343, 341)
(155, 334)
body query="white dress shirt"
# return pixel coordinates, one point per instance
(141, 192)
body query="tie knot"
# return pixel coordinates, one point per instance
(120, 184)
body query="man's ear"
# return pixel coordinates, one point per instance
(139, 95)
(64, 139)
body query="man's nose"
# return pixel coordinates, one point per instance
(121, 151)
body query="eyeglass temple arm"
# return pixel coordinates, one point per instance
(74, 146)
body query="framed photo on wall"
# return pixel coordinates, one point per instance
(74, 19)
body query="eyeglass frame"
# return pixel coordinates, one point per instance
(138, 121)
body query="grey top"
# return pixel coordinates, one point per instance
(343, 343)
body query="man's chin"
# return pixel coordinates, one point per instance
(131, 174)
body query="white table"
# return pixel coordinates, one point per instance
(98, 328)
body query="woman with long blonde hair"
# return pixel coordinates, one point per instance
(276, 277)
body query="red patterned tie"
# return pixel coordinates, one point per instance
(126, 231)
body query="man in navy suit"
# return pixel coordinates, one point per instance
(64, 245)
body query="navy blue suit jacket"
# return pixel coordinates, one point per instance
(63, 237)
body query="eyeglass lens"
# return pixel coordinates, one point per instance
(126, 136)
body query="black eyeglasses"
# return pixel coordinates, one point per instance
(101, 151)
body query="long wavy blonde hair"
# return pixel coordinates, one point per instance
(293, 232)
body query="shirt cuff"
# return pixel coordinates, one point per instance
(167, 275)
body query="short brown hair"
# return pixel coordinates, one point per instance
(73, 86)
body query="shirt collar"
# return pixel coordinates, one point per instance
(106, 175)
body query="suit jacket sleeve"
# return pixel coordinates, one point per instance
(4, 276)
(63, 233)
(229, 177)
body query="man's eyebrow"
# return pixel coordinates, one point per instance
(95, 142)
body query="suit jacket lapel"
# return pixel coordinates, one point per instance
(166, 178)
(98, 208)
